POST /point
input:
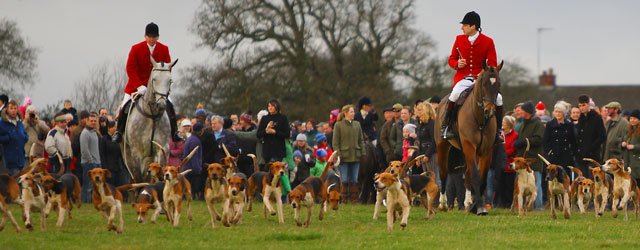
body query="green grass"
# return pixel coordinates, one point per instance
(350, 227)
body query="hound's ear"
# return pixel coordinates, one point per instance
(242, 186)
(289, 198)
(108, 173)
(500, 66)
(153, 206)
(133, 205)
(529, 168)
(591, 168)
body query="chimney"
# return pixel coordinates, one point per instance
(547, 79)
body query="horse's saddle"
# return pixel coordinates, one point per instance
(464, 95)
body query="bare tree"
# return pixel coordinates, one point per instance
(17, 59)
(102, 88)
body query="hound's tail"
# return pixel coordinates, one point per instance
(255, 162)
(576, 170)
(164, 153)
(127, 187)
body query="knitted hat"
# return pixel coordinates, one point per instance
(540, 106)
(528, 107)
(635, 113)
(321, 153)
(410, 127)
(200, 112)
(301, 137)
(320, 137)
(364, 101)
(246, 117)
(297, 153)
(198, 127)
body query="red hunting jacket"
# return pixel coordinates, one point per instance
(481, 50)
(139, 64)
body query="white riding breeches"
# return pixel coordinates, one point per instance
(464, 84)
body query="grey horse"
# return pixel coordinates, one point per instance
(148, 124)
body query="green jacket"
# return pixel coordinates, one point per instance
(632, 156)
(318, 168)
(252, 136)
(348, 140)
(616, 132)
(533, 130)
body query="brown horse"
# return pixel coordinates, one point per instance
(475, 130)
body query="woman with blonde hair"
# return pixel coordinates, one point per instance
(426, 116)
(348, 143)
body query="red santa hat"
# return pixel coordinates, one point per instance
(540, 106)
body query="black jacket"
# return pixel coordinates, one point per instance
(273, 144)
(368, 124)
(209, 145)
(559, 143)
(230, 141)
(591, 136)
(426, 138)
(110, 154)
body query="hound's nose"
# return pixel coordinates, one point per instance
(281, 172)
(166, 176)
(97, 178)
(234, 192)
(294, 205)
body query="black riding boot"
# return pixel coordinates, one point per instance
(121, 123)
(499, 116)
(172, 121)
(445, 131)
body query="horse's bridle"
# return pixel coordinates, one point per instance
(165, 96)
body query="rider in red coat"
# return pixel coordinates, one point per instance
(138, 70)
(469, 51)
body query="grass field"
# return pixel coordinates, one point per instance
(349, 228)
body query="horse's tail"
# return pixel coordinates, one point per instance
(164, 153)
(255, 162)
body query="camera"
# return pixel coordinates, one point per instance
(32, 115)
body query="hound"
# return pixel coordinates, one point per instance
(9, 188)
(602, 187)
(304, 195)
(175, 187)
(525, 185)
(625, 187)
(268, 184)
(235, 197)
(59, 193)
(106, 198)
(396, 168)
(398, 193)
(581, 189)
(559, 186)
(214, 189)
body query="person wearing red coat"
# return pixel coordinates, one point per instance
(469, 51)
(139, 68)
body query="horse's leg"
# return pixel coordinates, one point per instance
(485, 164)
(443, 155)
(472, 178)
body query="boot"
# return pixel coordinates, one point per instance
(344, 193)
(172, 121)
(121, 123)
(445, 131)
(499, 116)
(354, 191)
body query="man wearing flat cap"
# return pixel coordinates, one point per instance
(58, 144)
(616, 128)
(591, 135)
(138, 70)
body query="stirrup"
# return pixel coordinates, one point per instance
(446, 133)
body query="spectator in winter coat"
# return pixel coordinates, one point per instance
(69, 109)
(348, 143)
(321, 143)
(531, 130)
(111, 156)
(559, 141)
(58, 145)
(426, 116)
(90, 148)
(591, 135)
(396, 134)
(385, 134)
(195, 163)
(223, 134)
(616, 128)
(13, 138)
(321, 163)
(631, 145)
(176, 148)
(409, 140)
(273, 130)
(34, 126)
(367, 117)
(506, 177)
(310, 131)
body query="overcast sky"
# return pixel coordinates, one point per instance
(590, 42)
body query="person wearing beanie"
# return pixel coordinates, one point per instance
(531, 132)
(541, 110)
(559, 139)
(139, 68)
(195, 163)
(616, 128)
(246, 123)
(590, 137)
(322, 143)
(367, 117)
(409, 140)
(470, 52)
(304, 161)
(320, 164)
(631, 145)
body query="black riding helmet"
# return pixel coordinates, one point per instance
(471, 18)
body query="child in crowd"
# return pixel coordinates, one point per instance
(321, 163)
(409, 139)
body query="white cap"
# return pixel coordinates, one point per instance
(301, 137)
(185, 122)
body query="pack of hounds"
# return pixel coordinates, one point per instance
(37, 190)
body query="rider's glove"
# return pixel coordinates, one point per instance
(142, 89)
